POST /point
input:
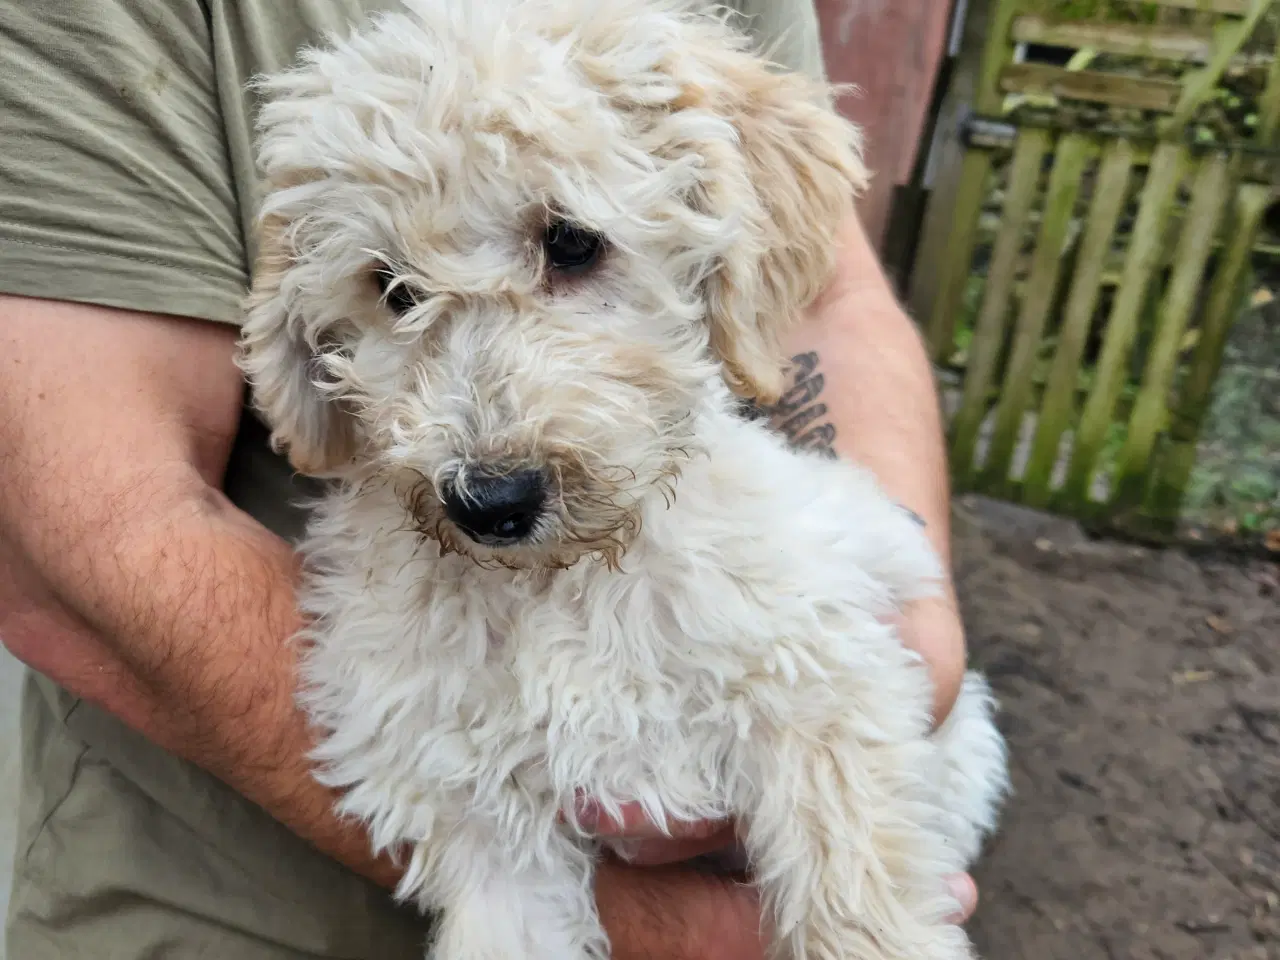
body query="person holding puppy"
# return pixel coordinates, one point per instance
(145, 526)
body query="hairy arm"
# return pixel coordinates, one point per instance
(135, 584)
(861, 387)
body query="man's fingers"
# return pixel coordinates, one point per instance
(661, 852)
(638, 842)
(965, 892)
(632, 824)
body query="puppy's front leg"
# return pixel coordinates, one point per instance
(495, 898)
(844, 847)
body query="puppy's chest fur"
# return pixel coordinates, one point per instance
(446, 686)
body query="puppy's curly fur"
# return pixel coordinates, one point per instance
(697, 618)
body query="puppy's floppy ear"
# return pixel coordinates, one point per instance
(790, 187)
(279, 355)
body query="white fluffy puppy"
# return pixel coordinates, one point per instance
(516, 259)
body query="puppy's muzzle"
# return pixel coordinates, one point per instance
(499, 509)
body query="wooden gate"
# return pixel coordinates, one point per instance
(1113, 169)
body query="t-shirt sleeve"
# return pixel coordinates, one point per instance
(115, 187)
(786, 31)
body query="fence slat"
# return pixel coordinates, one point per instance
(1146, 241)
(956, 180)
(1042, 284)
(1208, 202)
(1232, 7)
(1110, 189)
(996, 52)
(957, 259)
(1269, 104)
(1124, 39)
(989, 331)
(1094, 86)
(1179, 456)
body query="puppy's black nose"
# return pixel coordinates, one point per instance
(496, 510)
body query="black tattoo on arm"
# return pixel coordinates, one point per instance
(802, 417)
(913, 515)
(799, 413)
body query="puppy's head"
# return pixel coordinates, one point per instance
(508, 251)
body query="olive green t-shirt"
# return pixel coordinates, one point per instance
(127, 180)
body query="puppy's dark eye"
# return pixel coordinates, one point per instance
(570, 248)
(398, 295)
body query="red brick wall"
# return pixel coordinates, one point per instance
(891, 49)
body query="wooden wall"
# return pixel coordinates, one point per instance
(892, 50)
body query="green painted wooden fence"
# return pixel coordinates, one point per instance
(1125, 229)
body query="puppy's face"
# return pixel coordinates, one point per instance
(508, 248)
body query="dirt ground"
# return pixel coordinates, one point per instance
(1141, 700)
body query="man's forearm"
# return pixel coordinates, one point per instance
(125, 575)
(861, 387)
(176, 620)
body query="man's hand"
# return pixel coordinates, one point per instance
(645, 847)
(676, 913)
(637, 841)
